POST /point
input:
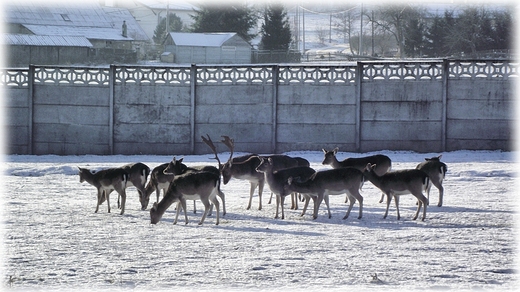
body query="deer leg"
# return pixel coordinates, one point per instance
(353, 196)
(422, 201)
(252, 187)
(123, 201)
(439, 186)
(326, 199)
(270, 198)
(223, 198)
(317, 204)
(260, 191)
(177, 210)
(158, 193)
(352, 200)
(107, 196)
(307, 200)
(382, 198)
(277, 206)
(388, 200)
(217, 207)
(100, 195)
(207, 206)
(396, 198)
(282, 200)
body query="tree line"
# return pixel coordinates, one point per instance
(399, 30)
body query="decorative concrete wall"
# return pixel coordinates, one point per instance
(421, 106)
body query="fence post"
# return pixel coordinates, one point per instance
(193, 86)
(444, 122)
(112, 82)
(30, 80)
(359, 79)
(276, 70)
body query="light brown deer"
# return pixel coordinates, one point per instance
(277, 179)
(200, 185)
(325, 183)
(106, 181)
(382, 163)
(398, 183)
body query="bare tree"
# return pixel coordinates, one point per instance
(393, 19)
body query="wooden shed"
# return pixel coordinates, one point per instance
(208, 48)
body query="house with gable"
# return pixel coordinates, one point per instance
(70, 33)
(206, 48)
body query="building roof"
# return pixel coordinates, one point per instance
(162, 5)
(42, 40)
(201, 39)
(83, 18)
(100, 33)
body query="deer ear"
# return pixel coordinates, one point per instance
(335, 150)
(180, 160)
(324, 151)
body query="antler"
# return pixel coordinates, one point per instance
(230, 143)
(213, 148)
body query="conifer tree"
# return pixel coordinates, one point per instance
(160, 30)
(276, 32)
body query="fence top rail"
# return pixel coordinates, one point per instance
(339, 74)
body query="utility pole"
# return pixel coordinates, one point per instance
(303, 30)
(361, 32)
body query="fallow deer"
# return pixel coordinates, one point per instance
(436, 170)
(401, 182)
(106, 181)
(201, 185)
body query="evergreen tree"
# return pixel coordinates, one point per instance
(232, 17)
(276, 32)
(414, 36)
(160, 30)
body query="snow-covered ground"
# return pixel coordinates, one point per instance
(53, 240)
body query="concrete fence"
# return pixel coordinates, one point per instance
(427, 106)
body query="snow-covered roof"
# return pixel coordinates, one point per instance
(216, 39)
(104, 33)
(44, 40)
(83, 18)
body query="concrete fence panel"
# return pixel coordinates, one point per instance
(424, 106)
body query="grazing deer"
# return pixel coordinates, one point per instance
(436, 170)
(137, 177)
(105, 182)
(277, 179)
(382, 163)
(401, 182)
(176, 167)
(324, 183)
(158, 181)
(200, 185)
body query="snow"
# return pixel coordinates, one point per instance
(53, 240)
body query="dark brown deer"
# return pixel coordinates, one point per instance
(138, 175)
(436, 170)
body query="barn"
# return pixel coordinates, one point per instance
(70, 33)
(206, 48)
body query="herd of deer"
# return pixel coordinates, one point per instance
(284, 175)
